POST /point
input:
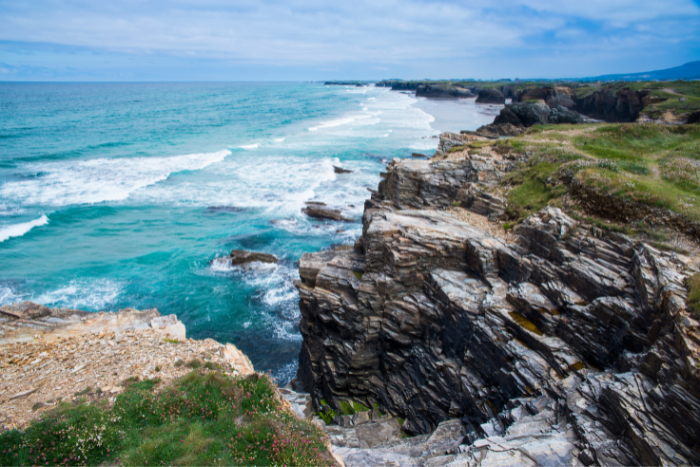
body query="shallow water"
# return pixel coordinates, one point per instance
(120, 195)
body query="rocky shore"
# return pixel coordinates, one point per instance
(564, 344)
(53, 355)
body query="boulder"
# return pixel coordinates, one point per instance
(561, 114)
(490, 96)
(318, 211)
(340, 170)
(242, 257)
(507, 117)
(531, 113)
(526, 114)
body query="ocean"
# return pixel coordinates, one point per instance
(119, 195)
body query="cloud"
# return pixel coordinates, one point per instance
(392, 34)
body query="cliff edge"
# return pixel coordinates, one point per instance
(562, 344)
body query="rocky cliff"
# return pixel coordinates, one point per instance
(551, 95)
(490, 96)
(442, 91)
(606, 104)
(568, 345)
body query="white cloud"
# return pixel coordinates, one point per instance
(315, 32)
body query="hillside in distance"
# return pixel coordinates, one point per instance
(688, 71)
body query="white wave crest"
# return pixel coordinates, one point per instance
(97, 180)
(89, 295)
(8, 295)
(250, 146)
(342, 121)
(17, 230)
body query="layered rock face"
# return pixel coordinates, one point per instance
(570, 346)
(514, 119)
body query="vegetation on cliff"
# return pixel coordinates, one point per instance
(672, 101)
(204, 418)
(657, 166)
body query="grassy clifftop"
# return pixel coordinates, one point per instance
(204, 418)
(680, 98)
(631, 174)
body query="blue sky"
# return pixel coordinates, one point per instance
(193, 40)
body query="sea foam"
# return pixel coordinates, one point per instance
(17, 230)
(90, 295)
(98, 180)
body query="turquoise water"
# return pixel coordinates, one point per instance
(120, 195)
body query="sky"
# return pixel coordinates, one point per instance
(311, 40)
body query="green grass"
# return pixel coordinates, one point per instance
(532, 189)
(657, 165)
(326, 413)
(201, 419)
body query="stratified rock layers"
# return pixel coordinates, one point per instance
(434, 319)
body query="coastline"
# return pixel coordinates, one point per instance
(455, 115)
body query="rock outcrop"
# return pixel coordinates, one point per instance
(526, 114)
(490, 96)
(442, 91)
(607, 104)
(515, 118)
(243, 257)
(570, 346)
(495, 131)
(553, 96)
(321, 211)
(694, 117)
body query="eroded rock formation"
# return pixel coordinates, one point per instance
(553, 96)
(442, 91)
(623, 105)
(491, 96)
(570, 346)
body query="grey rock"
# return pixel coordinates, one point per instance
(321, 212)
(553, 96)
(526, 114)
(442, 91)
(242, 257)
(569, 346)
(490, 96)
(607, 104)
(299, 402)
